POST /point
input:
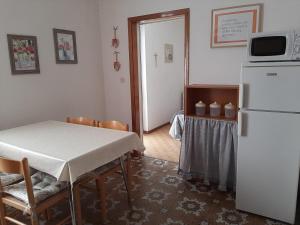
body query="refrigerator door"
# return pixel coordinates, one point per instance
(270, 88)
(268, 164)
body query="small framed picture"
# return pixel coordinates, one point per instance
(23, 54)
(168, 53)
(230, 27)
(65, 46)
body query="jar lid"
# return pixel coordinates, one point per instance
(200, 104)
(214, 105)
(229, 106)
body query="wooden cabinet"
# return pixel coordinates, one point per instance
(208, 94)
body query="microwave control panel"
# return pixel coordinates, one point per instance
(296, 47)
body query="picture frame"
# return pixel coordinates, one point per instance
(65, 46)
(230, 27)
(23, 54)
(169, 55)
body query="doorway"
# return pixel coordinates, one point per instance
(159, 59)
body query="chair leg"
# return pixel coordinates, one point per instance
(125, 179)
(48, 214)
(34, 218)
(78, 215)
(102, 196)
(2, 213)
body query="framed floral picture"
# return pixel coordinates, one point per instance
(65, 46)
(230, 27)
(23, 54)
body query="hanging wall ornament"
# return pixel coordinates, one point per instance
(115, 40)
(117, 64)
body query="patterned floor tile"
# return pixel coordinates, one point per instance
(161, 197)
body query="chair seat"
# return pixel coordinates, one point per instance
(44, 186)
(8, 178)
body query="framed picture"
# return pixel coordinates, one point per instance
(231, 27)
(23, 54)
(168, 53)
(65, 46)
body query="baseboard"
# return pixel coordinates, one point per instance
(156, 128)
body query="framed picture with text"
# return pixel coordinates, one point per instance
(230, 27)
(23, 54)
(65, 46)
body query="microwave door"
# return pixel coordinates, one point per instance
(271, 48)
(268, 46)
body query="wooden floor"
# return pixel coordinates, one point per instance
(159, 144)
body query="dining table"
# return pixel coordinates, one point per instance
(64, 150)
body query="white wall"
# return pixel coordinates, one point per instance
(217, 66)
(60, 90)
(163, 83)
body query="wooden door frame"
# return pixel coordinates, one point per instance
(133, 23)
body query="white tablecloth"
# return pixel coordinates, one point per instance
(66, 151)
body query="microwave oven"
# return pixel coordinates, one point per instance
(274, 46)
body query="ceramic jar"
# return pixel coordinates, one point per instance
(215, 109)
(200, 108)
(229, 110)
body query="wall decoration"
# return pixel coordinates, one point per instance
(115, 41)
(65, 46)
(23, 53)
(168, 53)
(232, 26)
(117, 64)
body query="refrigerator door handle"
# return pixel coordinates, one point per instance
(241, 95)
(240, 124)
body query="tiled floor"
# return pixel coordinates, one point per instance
(159, 144)
(161, 197)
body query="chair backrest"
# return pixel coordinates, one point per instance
(113, 124)
(82, 121)
(22, 168)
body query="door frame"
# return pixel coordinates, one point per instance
(133, 23)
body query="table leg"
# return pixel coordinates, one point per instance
(71, 203)
(102, 196)
(129, 178)
(125, 178)
(76, 202)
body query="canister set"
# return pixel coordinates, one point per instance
(215, 109)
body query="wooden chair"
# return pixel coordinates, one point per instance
(82, 121)
(113, 124)
(25, 197)
(115, 166)
(100, 174)
(83, 182)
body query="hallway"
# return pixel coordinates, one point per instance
(159, 144)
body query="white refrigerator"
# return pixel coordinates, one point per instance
(269, 140)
